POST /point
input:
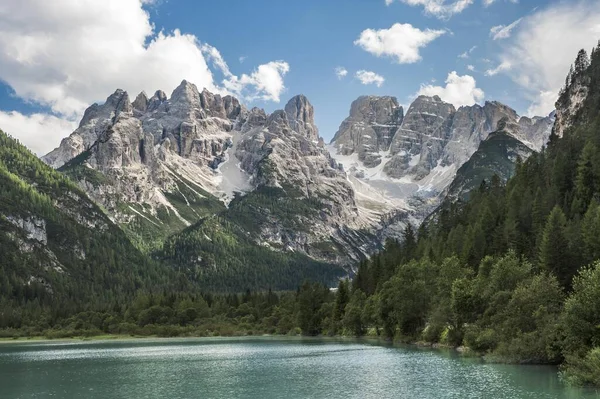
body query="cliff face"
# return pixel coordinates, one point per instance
(160, 164)
(407, 162)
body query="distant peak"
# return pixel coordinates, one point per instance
(301, 116)
(141, 102)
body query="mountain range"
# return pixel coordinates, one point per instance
(237, 198)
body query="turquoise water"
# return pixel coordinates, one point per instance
(261, 368)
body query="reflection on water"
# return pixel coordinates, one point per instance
(262, 368)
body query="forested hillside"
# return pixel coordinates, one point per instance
(513, 272)
(60, 253)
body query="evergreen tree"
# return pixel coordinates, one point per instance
(554, 249)
(341, 300)
(410, 242)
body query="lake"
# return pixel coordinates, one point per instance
(262, 368)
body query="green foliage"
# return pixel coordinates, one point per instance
(80, 260)
(220, 256)
(495, 272)
(554, 248)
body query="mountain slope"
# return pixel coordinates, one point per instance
(162, 164)
(497, 155)
(58, 248)
(407, 162)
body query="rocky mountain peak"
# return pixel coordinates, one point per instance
(156, 100)
(278, 122)
(369, 128)
(141, 102)
(186, 93)
(434, 105)
(301, 116)
(507, 125)
(377, 109)
(256, 118)
(124, 106)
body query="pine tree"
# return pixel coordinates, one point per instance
(410, 242)
(554, 248)
(585, 180)
(581, 63)
(590, 229)
(341, 300)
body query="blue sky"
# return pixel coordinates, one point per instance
(56, 59)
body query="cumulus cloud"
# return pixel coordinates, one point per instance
(539, 53)
(401, 42)
(39, 132)
(503, 31)
(65, 55)
(341, 72)
(264, 83)
(442, 9)
(459, 90)
(471, 68)
(368, 77)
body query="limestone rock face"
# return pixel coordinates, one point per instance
(284, 153)
(534, 132)
(570, 101)
(408, 162)
(369, 128)
(94, 123)
(140, 103)
(418, 143)
(163, 162)
(301, 116)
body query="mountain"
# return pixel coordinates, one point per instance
(497, 156)
(398, 161)
(164, 167)
(512, 270)
(59, 249)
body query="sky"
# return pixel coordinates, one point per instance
(58, 57)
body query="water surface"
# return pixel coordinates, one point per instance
(262, 368)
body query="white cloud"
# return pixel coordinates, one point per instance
(459, 90)
(341, 72)
(543, 104)
(504, 66)
(467, 53)
(39, 132)
(471, 67)
(65, 55)
(401, 42)
(266, 82)
(543, 47)
(368, 77)
(487, 3)
(442, 9)
(503, 31)
(242, 59)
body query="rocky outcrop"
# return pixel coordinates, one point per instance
(408, 162)
(301, 116)
(573, 95)
(496, 157)
(433, 134)
(286, 154)
(95, 122)
(534, 132)
(419, 141)
(161, 163)
(369, 129)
